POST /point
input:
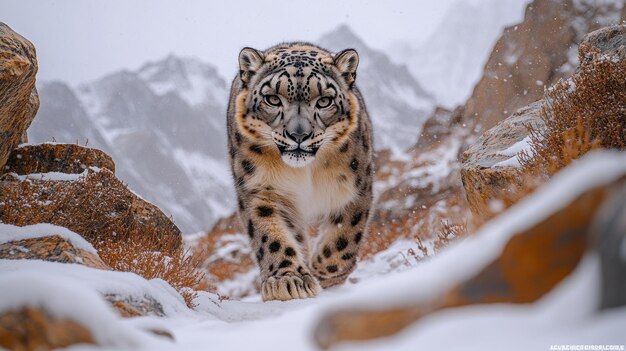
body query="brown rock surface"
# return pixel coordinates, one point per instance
(50, 248)
(18, 97)
(31, 329)
(533, 54)
(437, 126)
(482, 181)
(95, 205)
(531, 264)
(64, 158)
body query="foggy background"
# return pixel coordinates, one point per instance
(82, 40)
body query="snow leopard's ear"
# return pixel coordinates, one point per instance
(346, 62)
(250, 61)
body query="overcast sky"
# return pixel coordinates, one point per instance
(82, 40)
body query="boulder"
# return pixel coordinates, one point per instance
(33, 329)
(609, 40)
(94, 204)
(531, 263)
(490, 165)
(63, 158)
(19, 100)
(50, 248)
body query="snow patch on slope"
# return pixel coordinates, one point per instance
(66, 298)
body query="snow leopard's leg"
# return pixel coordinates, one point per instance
(337, 250)
(280, 245)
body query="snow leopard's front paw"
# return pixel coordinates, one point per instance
(292, 285)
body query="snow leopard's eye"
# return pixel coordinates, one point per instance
(323, 102)
(272, 100)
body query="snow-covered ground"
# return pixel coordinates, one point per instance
(567, 315)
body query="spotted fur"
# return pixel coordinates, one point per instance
(300, 143)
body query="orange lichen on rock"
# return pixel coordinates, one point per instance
(32, 329)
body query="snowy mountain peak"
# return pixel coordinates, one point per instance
(342, 37)
(196, 82)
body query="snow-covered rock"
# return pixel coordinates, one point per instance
(491, 164)
(48, 247)
(62, 254)
(609, 239)
(47, 305)
(93, 203)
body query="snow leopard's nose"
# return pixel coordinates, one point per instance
(299, 136)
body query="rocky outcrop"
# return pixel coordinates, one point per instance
(50, 248)
(610, 41)
(63, 158)
(437, 127)
(18, 96)
(533, 261)
(534, 54)
(33, 329)
(94, 204)
(490, 171)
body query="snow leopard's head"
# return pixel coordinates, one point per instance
(298, 98)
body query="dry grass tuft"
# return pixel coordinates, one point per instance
(142, 252)
(584, 113)
(448, 233)
(100, 210)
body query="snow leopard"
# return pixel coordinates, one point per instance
(300, 147)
